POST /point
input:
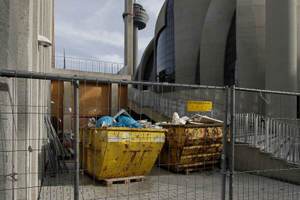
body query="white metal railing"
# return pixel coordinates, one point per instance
(270, 135)
(88, 65)
(280, 139)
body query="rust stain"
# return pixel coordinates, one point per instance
(133, 156)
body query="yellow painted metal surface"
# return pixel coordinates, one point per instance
(191, 146)
(120, 152)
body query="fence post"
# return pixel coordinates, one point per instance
(231, 158)
(224, 146)
(76, 140)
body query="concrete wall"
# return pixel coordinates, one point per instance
(189, 17)
(148, 51)
(213, 41)
(250, 43)
(252, 160)
(298, 45)
(23, 102)
(281, 53)
(281, 45)
(161, 19)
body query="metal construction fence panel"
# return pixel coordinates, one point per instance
(266, 149)
(51, 150)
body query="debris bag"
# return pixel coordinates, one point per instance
(106, 119)
(92, 123)
(177, 120)
(124, 121)
(117, 124)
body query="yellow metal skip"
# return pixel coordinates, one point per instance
(119, 152)
(190, 146)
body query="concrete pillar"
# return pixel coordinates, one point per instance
(114, 99)
(23, 102)
(281, 45)
(128, 36)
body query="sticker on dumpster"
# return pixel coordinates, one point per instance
(159, 139)
(115, 139)
(199, 106)
(126, 135)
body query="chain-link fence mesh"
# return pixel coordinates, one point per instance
(145, 155)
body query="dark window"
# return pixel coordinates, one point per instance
(165, 49)
(230, 65)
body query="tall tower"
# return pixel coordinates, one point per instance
(140, 20)
(128, 36)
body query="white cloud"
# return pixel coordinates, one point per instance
(79, 35)
(110, 58)
(152, 7)
(143, 42)
(105, 15)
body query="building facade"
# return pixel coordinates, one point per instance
(247, 43)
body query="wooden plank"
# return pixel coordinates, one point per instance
(124, 180)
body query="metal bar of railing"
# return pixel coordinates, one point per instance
(267, 124)
(255, 130)
(246, 128)
(76, 140)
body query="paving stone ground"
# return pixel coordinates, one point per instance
(164, 184)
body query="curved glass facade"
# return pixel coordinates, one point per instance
(230, 65)
(165, 58)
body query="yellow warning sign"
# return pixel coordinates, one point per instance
(199, 106)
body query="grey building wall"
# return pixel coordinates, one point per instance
(213, 41)
(267, 47)
(281, 45)
(149, 49)
(161, 19)
(250, 38)
(205, 24)
(298, 45)
(281, 54)
(21, 99)
(189, 17)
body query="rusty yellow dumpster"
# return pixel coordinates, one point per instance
(190, 147)
(114, 152)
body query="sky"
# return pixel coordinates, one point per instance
(94, 29)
